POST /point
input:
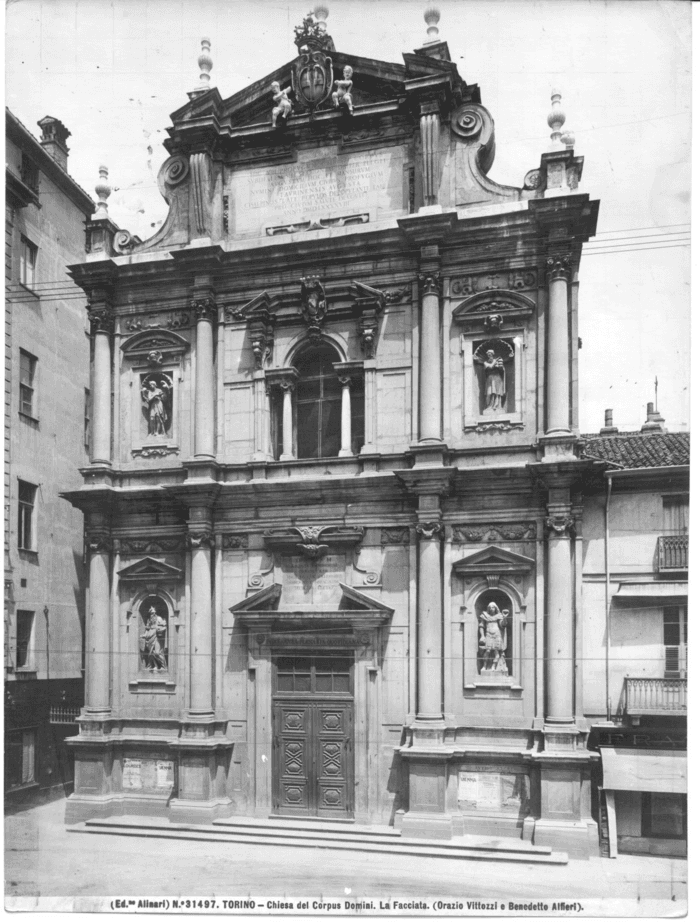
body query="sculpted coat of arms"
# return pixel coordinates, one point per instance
(312, 74)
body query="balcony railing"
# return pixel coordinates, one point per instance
(672, 553)
(656, 696)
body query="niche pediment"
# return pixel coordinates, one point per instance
(148, 568)
(154, 342)
(492, 560)
(493, 308)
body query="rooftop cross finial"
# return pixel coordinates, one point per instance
(103, 190)
(556, 119)
(432, 18)
(205, 65)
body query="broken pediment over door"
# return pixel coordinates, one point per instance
(353, 609)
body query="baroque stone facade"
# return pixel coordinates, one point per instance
(338, 502)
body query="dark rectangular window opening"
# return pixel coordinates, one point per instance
(25, 626)
(322, 675)
(27, 262)
(664, 816)
(675, 641)
(27, 377)
(20, 749)
(25, 516)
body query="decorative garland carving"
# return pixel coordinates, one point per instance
(396, 295)
(520, 531)
(430, 531)
(151, 545)
(516, 280)
(396, 535)
(497, 427)
(234, 542)
(160, 451)
(287, 539)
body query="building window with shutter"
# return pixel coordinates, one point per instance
(675, 515)
(24, 653)
(675, 641)
(27, 262)
(26, 506)
(27, 379)
(30, 173)
(20, 749)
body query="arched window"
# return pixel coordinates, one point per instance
(318, 403)
(329, 406)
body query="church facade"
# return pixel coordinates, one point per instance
(335, 493)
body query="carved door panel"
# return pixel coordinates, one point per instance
(333, 758)
(292, 757)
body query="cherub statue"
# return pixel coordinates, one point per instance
(343, 95)
(283, 104)
(493, 638)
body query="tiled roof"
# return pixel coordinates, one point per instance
(639, 449)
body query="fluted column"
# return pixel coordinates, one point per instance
(429, 135)
(558, 273)
(97, 701)
(429, 621)
(200, 541)
(560, 616)
(102, 321)
(205, 312)
(430, 384)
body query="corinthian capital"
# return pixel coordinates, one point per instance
(101, 319)
(197, 539)
(429, 531)
(429, 283)
(558, 267)
(559, 526)
(204, 307)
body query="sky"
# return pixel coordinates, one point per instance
(114, 70)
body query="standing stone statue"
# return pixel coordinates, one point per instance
(153, 638)
(156, 395)
(493, 639)
(283, 104)
(343, 95)
(493, 356)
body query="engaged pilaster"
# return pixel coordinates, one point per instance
(558, 396)
(102, 328)
(560, 621)
(98, 628)
(204, 308)
(200, 541)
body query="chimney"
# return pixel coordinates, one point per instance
(608, 428)
(54, 135)
(655, 421)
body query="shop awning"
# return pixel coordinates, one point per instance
(659, 590)
(644, 770)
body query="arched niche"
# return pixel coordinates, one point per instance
(478, 658)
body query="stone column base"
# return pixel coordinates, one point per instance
(202, 754)
(579, 839)
(427, 758)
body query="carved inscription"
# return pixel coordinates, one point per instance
(316, 187)
(312, 581)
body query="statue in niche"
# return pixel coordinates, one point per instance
(493, 357)
(343, 95)
(493, 639)
(154, 641)
(156, 394)
(283, 104)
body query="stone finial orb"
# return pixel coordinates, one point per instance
(103, 190)
(432, 18)
(556, 118)
(568, 139)
(321, 14)
(205, 64)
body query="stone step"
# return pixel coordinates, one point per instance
(459, 848)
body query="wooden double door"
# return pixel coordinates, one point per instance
(313, 737)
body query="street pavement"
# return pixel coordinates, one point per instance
(44, 859)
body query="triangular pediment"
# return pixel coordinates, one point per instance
(355, 607)
(492, 559)
(148, 568)
(266, 599)
(354, 600)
